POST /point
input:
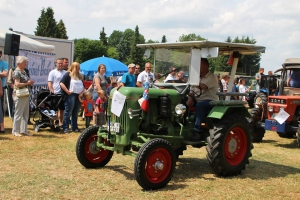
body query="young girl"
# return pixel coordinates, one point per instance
(99, 115)
(243, 89)
(88, 107)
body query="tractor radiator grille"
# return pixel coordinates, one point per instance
(122, 120)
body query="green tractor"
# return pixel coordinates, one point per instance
(157, 137)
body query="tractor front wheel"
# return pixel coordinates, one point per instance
(88, 154)
(229, 145)
(260, 100)
(258, 132)
(154, 164)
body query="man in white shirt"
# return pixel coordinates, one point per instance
(172, 75)
(145, 75)
(65, 64)
(54, 79)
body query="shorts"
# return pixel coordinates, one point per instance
(61, 106)
(100, 119)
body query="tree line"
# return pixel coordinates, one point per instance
(121, 45)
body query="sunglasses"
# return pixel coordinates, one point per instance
(137, 68)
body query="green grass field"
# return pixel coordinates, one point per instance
(44, 166)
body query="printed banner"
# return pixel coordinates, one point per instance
(39, 66)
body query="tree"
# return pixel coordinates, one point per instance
(62, 30)
(86, 49)
(152, 41)
(124, 46)
(248, 64)
(136, 54)
(163, 39)
(190, 37)
(47, 26)
(103, 37)
(114, 38)
(112, 53)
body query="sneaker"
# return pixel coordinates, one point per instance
(66, 131)
(77, 130)
(59, 128)
(17, 134)
(28, 134)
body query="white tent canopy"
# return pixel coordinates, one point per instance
(26, 43)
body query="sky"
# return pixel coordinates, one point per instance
(274, 24)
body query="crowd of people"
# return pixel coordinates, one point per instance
(67, 82)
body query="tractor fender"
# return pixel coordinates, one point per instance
(218, 112)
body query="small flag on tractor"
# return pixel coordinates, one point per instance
(144, 101)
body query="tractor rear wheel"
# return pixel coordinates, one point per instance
(88, 154)
(154, 164)
(258, 132)
(229, 145)
(260, 99)
(286, 134)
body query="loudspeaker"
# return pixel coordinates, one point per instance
(12, 44)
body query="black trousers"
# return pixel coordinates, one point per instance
(10, 100)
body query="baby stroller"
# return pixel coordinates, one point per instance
(44, 115)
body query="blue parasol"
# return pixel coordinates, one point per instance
(113, 66)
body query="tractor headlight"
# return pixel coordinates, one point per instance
(133, 113)
(270, 108)
(180, 109)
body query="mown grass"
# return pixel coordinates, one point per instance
(45, 166)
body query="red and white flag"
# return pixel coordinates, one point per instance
(144, 101)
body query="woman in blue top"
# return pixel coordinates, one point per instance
(294, 79)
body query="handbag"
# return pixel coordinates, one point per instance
(22, 92)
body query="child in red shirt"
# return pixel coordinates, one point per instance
(88, 105)
(99, 113)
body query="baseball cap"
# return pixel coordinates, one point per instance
(131, 65)
(217, 74)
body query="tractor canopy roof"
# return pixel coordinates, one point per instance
(290, 64)
(225, 48)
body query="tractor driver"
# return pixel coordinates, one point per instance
(209, 87)
(294, 79)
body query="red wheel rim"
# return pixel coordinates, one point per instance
(235, 146)
(158, 165)
(92, 153)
